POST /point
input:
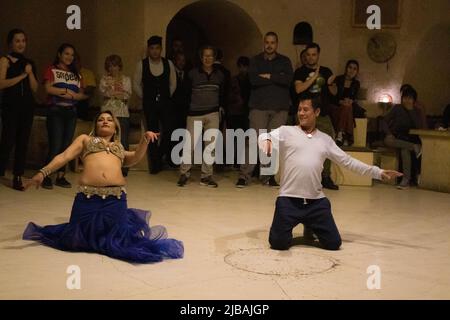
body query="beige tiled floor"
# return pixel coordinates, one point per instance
(405, 233)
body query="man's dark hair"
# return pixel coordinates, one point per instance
(243, 61)
(207, 47)
(271, 33)
(409, 92)
(313, 45)
(405, 86)
(315, 100)
(154, 40)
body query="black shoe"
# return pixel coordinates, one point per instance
(272, 182)
(208, 182)
(329, 184)
(156, 165)
(62, 182)
(47, 183)
(241, 183)
(155, 170)
(182, 181)
(17, 183)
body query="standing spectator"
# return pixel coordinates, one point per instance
(116, 90)
(155, 81)
(176, 47)
(316, 80)
(238, 97)
(18, 82)
(64, 88)
(270, 75)
(181, 95)
(206, 100)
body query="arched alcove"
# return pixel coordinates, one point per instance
(219, 23)
(303, 33)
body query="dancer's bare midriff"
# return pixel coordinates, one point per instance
(101, 169)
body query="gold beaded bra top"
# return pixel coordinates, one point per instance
(96, 144)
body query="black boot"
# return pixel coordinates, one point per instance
(17, 183)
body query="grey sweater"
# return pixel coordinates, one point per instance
(273, 93)
(206, 91)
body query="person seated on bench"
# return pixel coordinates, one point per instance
(399, 120)
(344, 103)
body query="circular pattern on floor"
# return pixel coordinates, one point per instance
(272, 262)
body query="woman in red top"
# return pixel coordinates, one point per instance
(63, 85)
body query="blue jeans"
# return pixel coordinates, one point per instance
(315, 215)
(61, 123)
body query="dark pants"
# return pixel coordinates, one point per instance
(239, 121)
(83, 110)
(17, 121)
(124, 132)
(315, 215)
(61, 123)
(160, 118)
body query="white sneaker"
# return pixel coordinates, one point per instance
(340, 138)
(404, 184)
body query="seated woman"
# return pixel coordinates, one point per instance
(100, 220)
(399, 120)
(345, 101)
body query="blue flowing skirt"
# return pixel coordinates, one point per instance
(107, 226)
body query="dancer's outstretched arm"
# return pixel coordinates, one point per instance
(133, 157)
(337, 155)
(73, 151)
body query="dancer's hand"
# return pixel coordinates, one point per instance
(390, 174)
(36, 181)
(267, 147)
(150, 136)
